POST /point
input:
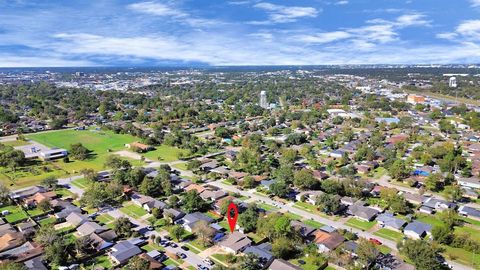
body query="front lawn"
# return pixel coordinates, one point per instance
(389, 234)
(293, 216)
(47, 221)
(105, 218)
(63, 193)
(267, 207)
(429, 219)
(309, 264)
(181, 166)
(313, 223)
(82, 183)
(133, 210)
(360, 224)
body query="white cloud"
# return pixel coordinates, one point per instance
(325, 37)
(284, 14)
(475, 3)
(39, 61)
(343, 2)
(157, 9)
(447, 35)
(469, 29)
(412, 19)
(169, 11)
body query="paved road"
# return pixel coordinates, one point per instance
(192, 258)
(337, 224)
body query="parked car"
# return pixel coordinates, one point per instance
(181, 255)
(173, 244)
(208, 261)
(185, 248)
(375, 241)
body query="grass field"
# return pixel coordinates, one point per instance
(360, 224)
(47, 221)
(16, 213)
(181, 166)
(429, 219)
(133, 210)
(267, 207)
(389, 234)
(82, 183)
(63, 193)
(101, 143)
(462, 256)
(164, 153)
(474, 233)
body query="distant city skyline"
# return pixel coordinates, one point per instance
(238, 32)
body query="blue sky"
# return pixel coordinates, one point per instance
(237, 32)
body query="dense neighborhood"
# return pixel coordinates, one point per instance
(345, 172)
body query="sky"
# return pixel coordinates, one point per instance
(48, 33)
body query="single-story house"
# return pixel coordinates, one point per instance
(90, 227)
(304, 230)
(470, 212)
(76, 219)
(190, 220)
(263, 252)
(38, 197)
(327, 242)
(123, 251)
(417, 229)
(213, 195)
(362, 212)
(235, 242)
(279, 264)
(388, 220)
(472, 182)
(176, 214)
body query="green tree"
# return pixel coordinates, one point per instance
(44, 205)
(176, 232)
(327, 203)
(442, 234)
(279, 188)
(283, 247)
(12, 266)
(78, 151)
(304, 180)
(49, 182)
(422, 253)
(249, 218)
(137, 263)
(398, 170)
(192, 202)
(204, 232)
(367, 252)
(122, 227)
(250, 262)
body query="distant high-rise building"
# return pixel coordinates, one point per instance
(452, 82)
(263, 100)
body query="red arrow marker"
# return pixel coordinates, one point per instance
(232, 220)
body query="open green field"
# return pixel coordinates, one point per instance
(101, 143)
(429, 219)
(133, 210)
(164, 153)
(360, 224)
(473, 233)
(267, 207)
(389, 234)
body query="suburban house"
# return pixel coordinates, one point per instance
(327, 242)
(263, 252)
(213, 195)
(235, 242)
(304, 230)
(388, 220)
(11, 240)
(190, 220)
(123, 251)
(470, 212)
(472, 182)
(362, 212)
(430, 204)
(33, 200)
(414, 198)
(417, 230)
(76, 219)
(90, 227)
(26, 192)
(279, 264)
(99, 243)
(176, 214)
(308, 196)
